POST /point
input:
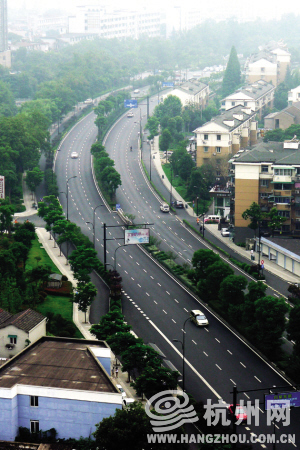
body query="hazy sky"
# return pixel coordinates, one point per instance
(263, 8)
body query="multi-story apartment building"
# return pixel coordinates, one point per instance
(191, 92)
(257, 96)
(236, 128)
(283, 119)
(108, 23)
(269, 175)
(269, 64)
(294, 95)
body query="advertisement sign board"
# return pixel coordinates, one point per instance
(2, 186)
(279, 400)
(167, 84)
(139, 236)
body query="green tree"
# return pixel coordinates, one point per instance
(84, 296)
(255, 215)
(7, 101)
(281, 96)
(269, 325)
(209, 288)
(100, 122)
(201, 261)
(6, 216)
(232, 76)
(34, 177)
(275, 220)
(126, 429)
(155, 379)
(111, 180)
(165, 139)
(152, 126)
(120, 342)
(232, 297)
(83, 261)
(139, 356)
(110, 324)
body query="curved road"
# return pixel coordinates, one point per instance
(155, 304)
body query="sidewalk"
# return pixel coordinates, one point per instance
(270, 266)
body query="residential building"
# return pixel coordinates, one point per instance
(111, 23)
(190, 92)
(59, 383)
(283, 119)
(180, 18)
(294, 95)
(17, 331)
(269, 64)
(232, 130)
(257, 96)
(5, 54)
(268, 175)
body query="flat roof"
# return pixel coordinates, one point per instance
(58, 363)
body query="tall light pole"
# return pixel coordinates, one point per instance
(183, 352)
(115, 259)
(67, 194)
(94, 234)
(150, 159)
(171, 184)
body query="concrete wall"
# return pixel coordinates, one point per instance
(70, 418)
(246, 191)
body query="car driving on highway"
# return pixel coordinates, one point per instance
(198, 318)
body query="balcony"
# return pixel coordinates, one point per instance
(282, 193)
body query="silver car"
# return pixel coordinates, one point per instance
(198, 318)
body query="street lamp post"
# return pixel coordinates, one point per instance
(183, 352)
(171, 184)
(115, 259)
(150, 159)
(67, 194)
(94, 234)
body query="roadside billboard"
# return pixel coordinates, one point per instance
(139, 236)
(279, 400)
(2, 186)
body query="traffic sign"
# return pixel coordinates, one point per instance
(129, 103)
(262, 261)
(118, 206)
(168, 84)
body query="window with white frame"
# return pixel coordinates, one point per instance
(283, 172)
(12, 339)
(218, 149)
(218, 137)
(34, 426)
(265, 169)
(34, 400)
(205, 137)
(205, 149)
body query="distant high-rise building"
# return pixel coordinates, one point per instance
(5, 56)
(3, 26)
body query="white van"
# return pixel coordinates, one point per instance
(215, 219)
(136, 91)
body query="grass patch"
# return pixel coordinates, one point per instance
(177, 182)
(37, 251)
(58, 305)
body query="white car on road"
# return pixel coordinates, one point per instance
(74, 155)
(225, 232)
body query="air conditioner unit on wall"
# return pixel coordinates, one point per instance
(214, 154)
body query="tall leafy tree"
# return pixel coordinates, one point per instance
(84, 296)
(255, 215)
(34, 177)
(232, 76)
(275, 220)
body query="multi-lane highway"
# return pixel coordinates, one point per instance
(153, 302)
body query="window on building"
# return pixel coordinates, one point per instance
(205, 149)
(34, 400)
(232, 103)
(218, 137)
(262, 69)
(245, 103)
(264, 183)
(265, 168)
(12, 339)
(218, 149)
(205, 137)
(284, 214)
(34, 426)
(283, 172)
(264, 195)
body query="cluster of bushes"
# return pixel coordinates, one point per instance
(50, 182)
(252, 269)
(106, 175)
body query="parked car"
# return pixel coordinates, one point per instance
(130, 114)
(178, 204)
(88, 101)
(239, 412)
(164, 207)
(74, 155)
(121, 390)
(225, 232)
(198, 318)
